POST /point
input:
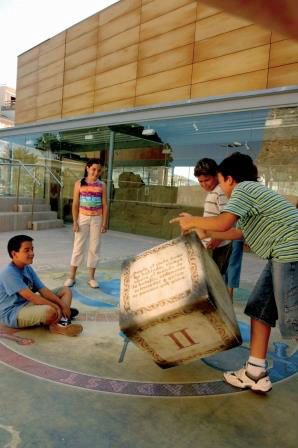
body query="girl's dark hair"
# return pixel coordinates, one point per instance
(89, 163)
(240, 167)
(205, 167)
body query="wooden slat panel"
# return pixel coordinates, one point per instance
(219, 24)
(29, 116)
(285, 75)
(77, 112)
(122, 40)
(118, 58)
(232, 64)
(234, 41)
(26, 92)
(49, 97)
(168, 22)
(27, 103)
(80, 72)
(204, 11)
(50, 110)
(128, 103)
(79, 87)
(78, 102)
(49, 118)
(51, 70)
(275, 37)
(178, 57)
(118, 92)
(82, 27)
(51, 56)
(117, 26)
(158, 8)
(166, 42)
(51, 44)
(27, 80)
(29, 56)
(118, 10)
(145, 2)
(27, 68)
(81, 57)
(283, 52)
(116, 76)
(82, 42)
(50, 83)
(232, 84)
(169, 79)
(166, 96)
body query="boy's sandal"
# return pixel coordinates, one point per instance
(69, 282)
(93, 283)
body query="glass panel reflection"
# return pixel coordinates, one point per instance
(153, 162)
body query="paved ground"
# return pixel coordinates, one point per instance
(73, 392)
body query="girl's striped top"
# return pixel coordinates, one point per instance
(268, 221)
(91, 198)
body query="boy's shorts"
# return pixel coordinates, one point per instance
(275, 296)
(31, 315)
(233, 273)
(221, 256)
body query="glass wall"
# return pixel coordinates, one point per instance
(153, 162)
(155, 183)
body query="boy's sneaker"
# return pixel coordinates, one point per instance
(66, 330)
(74, 312)
(243, 380)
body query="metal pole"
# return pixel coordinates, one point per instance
(18, 189)
(10, 172)
(33, 204)
(61, 193)
(110, 170)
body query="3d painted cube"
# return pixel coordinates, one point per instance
(174, 303)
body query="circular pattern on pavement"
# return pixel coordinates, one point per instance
(103, 306)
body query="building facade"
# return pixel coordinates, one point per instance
(7, 106)
(150, 87)
(140, 52)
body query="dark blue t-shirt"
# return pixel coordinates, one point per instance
(13, 280)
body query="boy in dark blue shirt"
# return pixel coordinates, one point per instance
(25, 301)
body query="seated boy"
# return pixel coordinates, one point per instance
(269, 224)
(24, 299)
(206, 173)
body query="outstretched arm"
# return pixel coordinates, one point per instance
(221, 223)
(232, 234)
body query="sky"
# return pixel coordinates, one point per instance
(26, 23)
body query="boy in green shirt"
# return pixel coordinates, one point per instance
(269, 224)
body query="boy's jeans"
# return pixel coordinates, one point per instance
(275, 296)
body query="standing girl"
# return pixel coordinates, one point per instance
(89, 212)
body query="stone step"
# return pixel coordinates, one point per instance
(8, 203)
(48, 224)
(28, 208)
(10, 221)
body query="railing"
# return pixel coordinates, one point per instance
(8, 105)
(31, 170)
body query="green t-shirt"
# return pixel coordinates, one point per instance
(269, 223)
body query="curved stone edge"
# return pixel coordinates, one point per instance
(114, 386)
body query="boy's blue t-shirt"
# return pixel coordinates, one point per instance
(13, 280)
